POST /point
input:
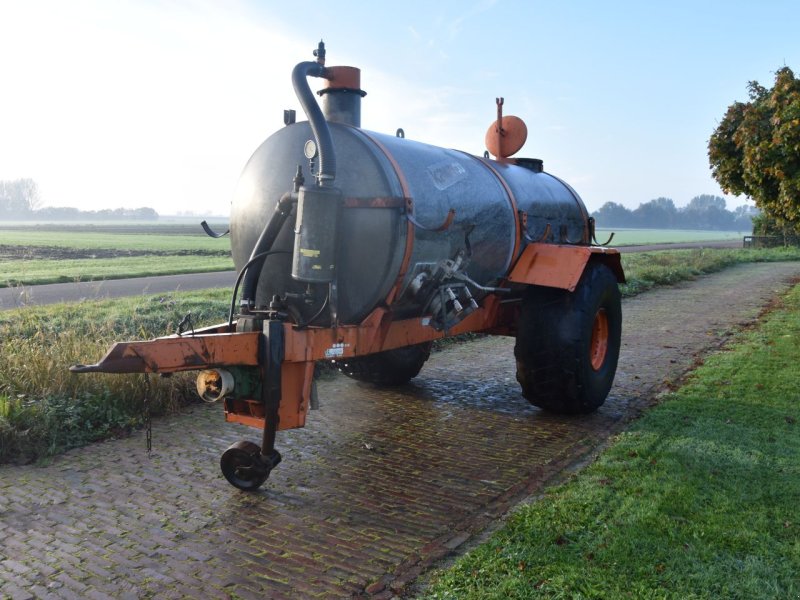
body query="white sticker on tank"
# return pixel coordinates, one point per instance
(446, 173)
(336, 350)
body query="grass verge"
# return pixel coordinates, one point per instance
(44, 409)
(697, 500)
(646, 270)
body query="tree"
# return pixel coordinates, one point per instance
(705, 202)
(657, 213)
(612, 214)
(707, 212)
(744, 217)
(755, 150)
(19, 197)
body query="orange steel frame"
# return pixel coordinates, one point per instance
(220, 346)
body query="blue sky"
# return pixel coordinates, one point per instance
(160, 103)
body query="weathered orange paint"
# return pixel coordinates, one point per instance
(506, 137)
(598, 345)
(179, 353)
(551, 265)
(296, 381)
(343, 78)
(377, 333)
(558, 266)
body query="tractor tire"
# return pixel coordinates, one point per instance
(568, 343)
(388, 368)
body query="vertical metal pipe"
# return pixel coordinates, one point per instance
(319, 126)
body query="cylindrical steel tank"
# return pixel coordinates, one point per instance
(380, 176)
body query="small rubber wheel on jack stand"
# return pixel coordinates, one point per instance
(242, 466)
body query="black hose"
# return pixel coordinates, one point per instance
(317, 314)
(263, 245)
(319, 126)
(247, 265)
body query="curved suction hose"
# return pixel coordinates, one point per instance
(319, 126)
(262, 248)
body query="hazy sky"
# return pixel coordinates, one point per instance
(160, 103)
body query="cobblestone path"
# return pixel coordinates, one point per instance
(378, 487)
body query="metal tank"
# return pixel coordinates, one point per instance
(406, 211)
(364, 248)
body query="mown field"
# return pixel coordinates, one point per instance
(638, 237)
(125, 237)
(40, 254)
(60, 253)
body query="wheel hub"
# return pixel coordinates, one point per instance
(598, 347)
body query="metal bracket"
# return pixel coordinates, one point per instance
(448, 220)
(185, 325)
(543, 238)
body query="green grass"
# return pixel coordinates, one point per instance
(635, 237)
(35, 255)
(145, 240)
(44, 409)
(697, 500)
(645, 270)
(37, 272)
(148, 237)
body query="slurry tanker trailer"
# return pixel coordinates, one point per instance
(363, 248)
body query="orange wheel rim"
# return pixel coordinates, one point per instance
(598, 347)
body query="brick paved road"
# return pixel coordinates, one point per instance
(379, 486)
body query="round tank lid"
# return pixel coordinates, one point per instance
(343, 79)
(510, 140)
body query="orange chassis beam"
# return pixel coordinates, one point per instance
(221, 346)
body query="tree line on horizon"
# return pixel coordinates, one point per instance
(703, 212)
(20, 201)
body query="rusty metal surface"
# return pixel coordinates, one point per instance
(378, 487)
(172, 354)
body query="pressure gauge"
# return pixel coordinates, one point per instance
(310, 149)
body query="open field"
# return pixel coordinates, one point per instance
(53, 253)
(35, 255)
(139, 238)
(37, 272)
(697, 500)
(639, 237)
(189, 236)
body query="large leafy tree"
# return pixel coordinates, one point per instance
(756, 148)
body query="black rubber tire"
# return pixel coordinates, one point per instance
(241, 467)
(554, 337)
(388, 368)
